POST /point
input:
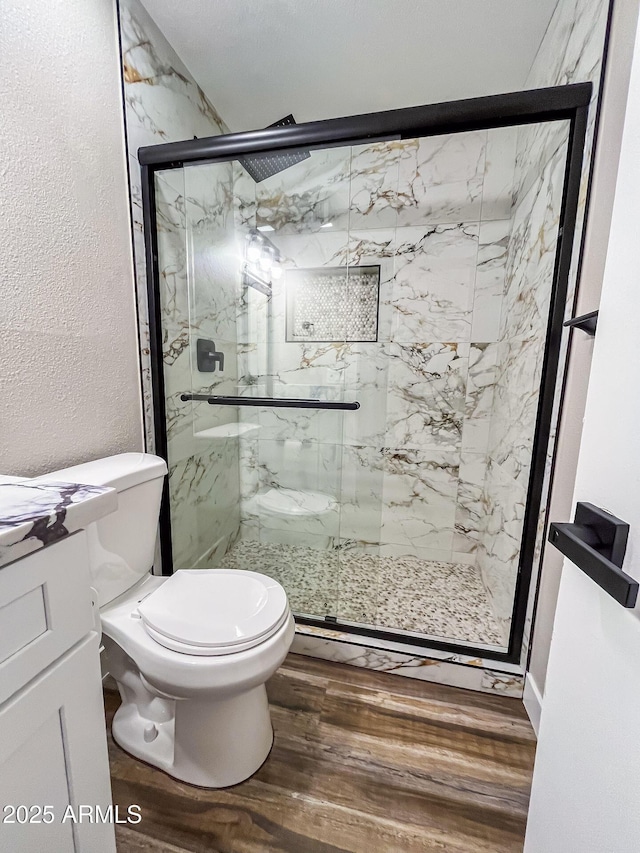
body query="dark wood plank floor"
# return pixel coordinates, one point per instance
(363, 762)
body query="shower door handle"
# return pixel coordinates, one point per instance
(272, 402)
(596, 543)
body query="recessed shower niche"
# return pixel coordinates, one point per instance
(377, 438)
(332, 304)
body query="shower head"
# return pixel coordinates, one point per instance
(263, 166)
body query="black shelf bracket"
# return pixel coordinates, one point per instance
(596, 542)
(586, 323)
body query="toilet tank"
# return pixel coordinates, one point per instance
(122, 544)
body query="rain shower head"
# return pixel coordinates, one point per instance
(263, 166)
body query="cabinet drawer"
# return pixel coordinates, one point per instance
(45, 608)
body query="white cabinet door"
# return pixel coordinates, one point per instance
(53, 752)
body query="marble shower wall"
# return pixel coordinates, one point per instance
(407, 470)
(163, 103)
(528, 284)
(571, 52)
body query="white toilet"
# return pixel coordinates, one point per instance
(191, 653)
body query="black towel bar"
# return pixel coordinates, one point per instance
(272, 402)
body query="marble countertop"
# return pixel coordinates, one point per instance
(35, 514)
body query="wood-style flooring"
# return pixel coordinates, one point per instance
(363, 762)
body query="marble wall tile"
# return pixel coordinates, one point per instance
(440, 178)
(198, 300)
(572, 46)
(499, 548)
(499, 168)
(488, 292)
(532, 249)
(328, 247)
(536, 145)
(203, 489)
(308, 194)
(426, 395)
(478, 404)
(214, 268)
(432, 296)
(307, 425)
(244, 198)
(470, 508)
(249, 461)
(419, 497)
(366, 380)
(162, 103)
(361, 490)
(161, 97)
(312, 364)
(306, 466)
(374, 185)
(172, 257)
(515, 407)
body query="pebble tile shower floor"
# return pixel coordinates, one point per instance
(445, 600)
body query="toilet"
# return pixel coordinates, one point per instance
(191, 652)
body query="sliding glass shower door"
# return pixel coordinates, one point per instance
(353, 341)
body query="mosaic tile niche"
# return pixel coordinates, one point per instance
(332, 304)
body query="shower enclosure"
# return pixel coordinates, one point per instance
(355, 335)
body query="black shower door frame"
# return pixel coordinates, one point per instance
(570, 103)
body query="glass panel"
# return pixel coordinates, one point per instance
(413, 277)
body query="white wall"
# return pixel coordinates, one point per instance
(69, 380)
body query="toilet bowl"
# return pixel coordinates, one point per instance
(190, 653)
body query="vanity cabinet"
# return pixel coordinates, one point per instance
(53, 750)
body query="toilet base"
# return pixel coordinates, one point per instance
(209, 744)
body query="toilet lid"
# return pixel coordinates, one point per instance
(214, 611)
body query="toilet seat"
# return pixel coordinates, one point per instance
(213, 611)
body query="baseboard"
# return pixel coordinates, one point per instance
(532, 701)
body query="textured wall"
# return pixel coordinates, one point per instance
(69, 379)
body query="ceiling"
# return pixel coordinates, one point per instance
(258, 60)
